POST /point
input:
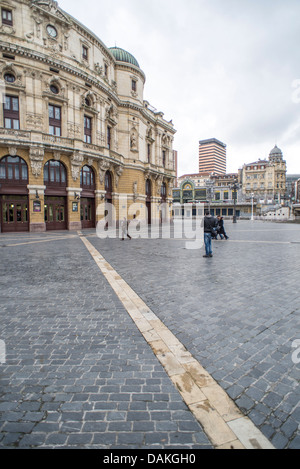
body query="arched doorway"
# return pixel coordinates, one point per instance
(87, 200)
(14, 194)
(55, 207)
(148, 191)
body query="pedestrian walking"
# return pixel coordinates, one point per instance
(221, 229)
(210, 224)
(124, 226)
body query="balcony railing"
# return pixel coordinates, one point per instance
(19, 138)
(9, 134)
(47, 138)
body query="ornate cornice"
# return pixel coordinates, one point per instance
(88, 78)
(40, 57)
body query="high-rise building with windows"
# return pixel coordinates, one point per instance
(212, 156)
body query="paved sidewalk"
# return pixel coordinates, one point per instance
(237, 313)
(78, 372)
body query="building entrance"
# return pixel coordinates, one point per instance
(87, 212)
(87, 200)
(14, 213)
(55, 210)
(14, 194)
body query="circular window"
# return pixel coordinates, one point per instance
(9, 77)
(87, 102)
(51, 30)
(54, 89)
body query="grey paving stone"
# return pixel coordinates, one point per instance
(257, 326)
(67, 339)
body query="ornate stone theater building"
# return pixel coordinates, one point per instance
(75, 130)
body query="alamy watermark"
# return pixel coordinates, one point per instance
(296, 353)
(2, 352)
(296, 93)
(185, 224)
(2, 91)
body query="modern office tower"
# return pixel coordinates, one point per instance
(212, 156)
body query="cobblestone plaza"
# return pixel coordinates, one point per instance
(77, 372)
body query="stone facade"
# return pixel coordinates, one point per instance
(265, 179)
(79, 104)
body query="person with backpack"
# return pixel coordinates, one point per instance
(210, 225)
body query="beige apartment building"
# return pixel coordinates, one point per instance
(265, 179)
(76, 135)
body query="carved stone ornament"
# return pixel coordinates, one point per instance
(103, 166)
(149, 134)
(51, 7)
(111, 114)
(118, 173)
(34, 121)
(159, 181)
(12, 151)
(73, 129)
(98, 69)
(9, 67)
(7, 29)
(147, 174)
(90, 96)
(165, 140)
(133, 140)
(36, 155)
(76, 163)
(171, 184)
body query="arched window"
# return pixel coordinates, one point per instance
(108, 182)
(55, 173)
(148, 188)
(87, 177)
(13, 170)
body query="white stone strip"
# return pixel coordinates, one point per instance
(249, 435)
(222, 421)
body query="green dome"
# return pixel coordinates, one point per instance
(123, 56)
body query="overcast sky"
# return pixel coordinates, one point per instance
(228, 69)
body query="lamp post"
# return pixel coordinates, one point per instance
(252, 197)
(234, 188)
(209, 192)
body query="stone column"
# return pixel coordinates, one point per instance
(74, 221)
(36, 208)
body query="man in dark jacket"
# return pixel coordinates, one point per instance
(210, 223)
